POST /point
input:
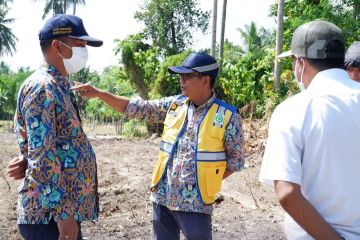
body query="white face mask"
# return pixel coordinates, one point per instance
(77, 61)
(300, 83)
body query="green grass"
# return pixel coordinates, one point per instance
(6, 125)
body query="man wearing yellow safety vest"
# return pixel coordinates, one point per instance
(201, 145)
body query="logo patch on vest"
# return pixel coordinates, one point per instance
(172, 110)
(219, 117)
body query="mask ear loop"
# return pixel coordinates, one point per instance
(65, 46)
(302, 71)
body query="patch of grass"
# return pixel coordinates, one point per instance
(6, 126)
(135, 128)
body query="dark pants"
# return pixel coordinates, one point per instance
(167, 224)
(42, 231)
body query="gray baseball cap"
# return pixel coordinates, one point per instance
(311, 39)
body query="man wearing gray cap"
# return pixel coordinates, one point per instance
(352, 61)
(201, 145)
(312, 152)
(59, 189)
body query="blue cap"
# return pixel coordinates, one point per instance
(67, 25)
(197, 62)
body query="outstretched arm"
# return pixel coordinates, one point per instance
(118, 103)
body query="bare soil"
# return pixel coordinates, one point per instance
(245, 210)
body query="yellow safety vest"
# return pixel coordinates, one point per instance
(210, 155)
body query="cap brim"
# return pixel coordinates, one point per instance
(180, 70)
(285, 54)
(90, 40)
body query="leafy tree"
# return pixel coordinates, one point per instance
(4, 68)
(86, 75)
(254, 38)
(168, 84)
(60, 6)
(246, 77)
(170, 23)
(344, 13)
(4, 3)
(140, 62)
(7, 38)
(113, 80)
(9, 87)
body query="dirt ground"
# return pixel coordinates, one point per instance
(248, 210)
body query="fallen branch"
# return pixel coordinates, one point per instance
(2, 175)
(248, 184)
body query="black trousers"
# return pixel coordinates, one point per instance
(42, 231)
(167, 224)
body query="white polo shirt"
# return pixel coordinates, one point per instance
(314, 141)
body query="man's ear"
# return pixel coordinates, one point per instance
(55, 45)
(207, 80)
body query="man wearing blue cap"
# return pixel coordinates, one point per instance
(59, 189)
(201, 145)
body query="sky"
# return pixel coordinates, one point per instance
(115, 20)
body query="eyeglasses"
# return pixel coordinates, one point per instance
(188, 76)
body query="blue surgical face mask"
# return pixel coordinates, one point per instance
(300, 83)
(77, 61)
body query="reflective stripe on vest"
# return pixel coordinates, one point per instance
(166, 147)
(210, 156)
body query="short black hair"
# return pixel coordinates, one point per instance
(212, 77)
(330, 62)
(45, 44)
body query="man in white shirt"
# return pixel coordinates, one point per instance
(312, 157)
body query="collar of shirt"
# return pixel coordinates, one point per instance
(204, 105)
(63, 82)
(331, 81)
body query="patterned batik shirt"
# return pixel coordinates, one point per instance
(61, 177)
(177, 190)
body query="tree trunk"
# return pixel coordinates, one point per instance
(74, 9)
(356, 11)
(65, 6)
(173, 34)
(279, 39)
(223, 23)
(213, 37)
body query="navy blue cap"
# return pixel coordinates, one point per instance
(197, 62)
(67, 25)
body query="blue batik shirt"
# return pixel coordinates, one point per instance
(61, 176)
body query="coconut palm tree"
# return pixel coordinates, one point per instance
(59, 6)
(279, 40)
(254, 38)
(213, 36)
(75, 3)
(4, 3)
(222, 36)
(7, 38)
